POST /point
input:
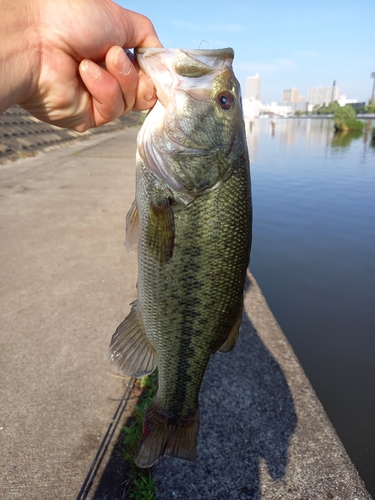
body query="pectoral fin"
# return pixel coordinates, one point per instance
(130, 349)
(132, 227)
(160, 231)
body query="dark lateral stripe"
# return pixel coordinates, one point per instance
(190, 315)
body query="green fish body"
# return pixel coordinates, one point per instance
(192, 222)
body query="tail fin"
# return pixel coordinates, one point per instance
(163, 436)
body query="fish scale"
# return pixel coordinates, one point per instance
(195, 298)
(193, 252)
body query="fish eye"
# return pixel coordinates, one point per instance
(225, 100)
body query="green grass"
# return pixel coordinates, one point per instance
(143, 487)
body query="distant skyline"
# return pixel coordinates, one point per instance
(253, 88)
(289, 44)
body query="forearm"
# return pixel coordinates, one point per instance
(19, 51)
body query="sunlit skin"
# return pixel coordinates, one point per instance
(65, 61)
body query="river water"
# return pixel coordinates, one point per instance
(314, 258)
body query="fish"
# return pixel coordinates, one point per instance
(192, 223)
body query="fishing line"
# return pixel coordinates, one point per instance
(205, 41)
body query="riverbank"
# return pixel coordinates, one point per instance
(23, 136)
(297, 117)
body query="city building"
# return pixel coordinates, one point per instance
(285, 109)
(276, 109)
(323, 95)
(252, 100)
(343, 101)
(291, 95)
(251, 108)
(303, 107)
(254, 88)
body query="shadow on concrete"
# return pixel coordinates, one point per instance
(247, 415)
(115, 480)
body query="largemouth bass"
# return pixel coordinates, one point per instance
(192, 221)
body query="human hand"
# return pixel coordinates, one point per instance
(83, 76)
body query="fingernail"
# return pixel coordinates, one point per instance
(91, 69)
(149, 92)
(122, 62)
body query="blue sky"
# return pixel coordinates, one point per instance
(289, 43)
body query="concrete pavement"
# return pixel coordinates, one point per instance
(66, 282)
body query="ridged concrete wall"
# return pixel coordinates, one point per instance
(22, 135)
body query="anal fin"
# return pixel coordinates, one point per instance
(233, 334)
(166, 436)
(130, 349)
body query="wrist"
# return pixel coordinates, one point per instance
(19, 51)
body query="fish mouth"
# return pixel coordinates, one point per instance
(226, 53)
(176, 69)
